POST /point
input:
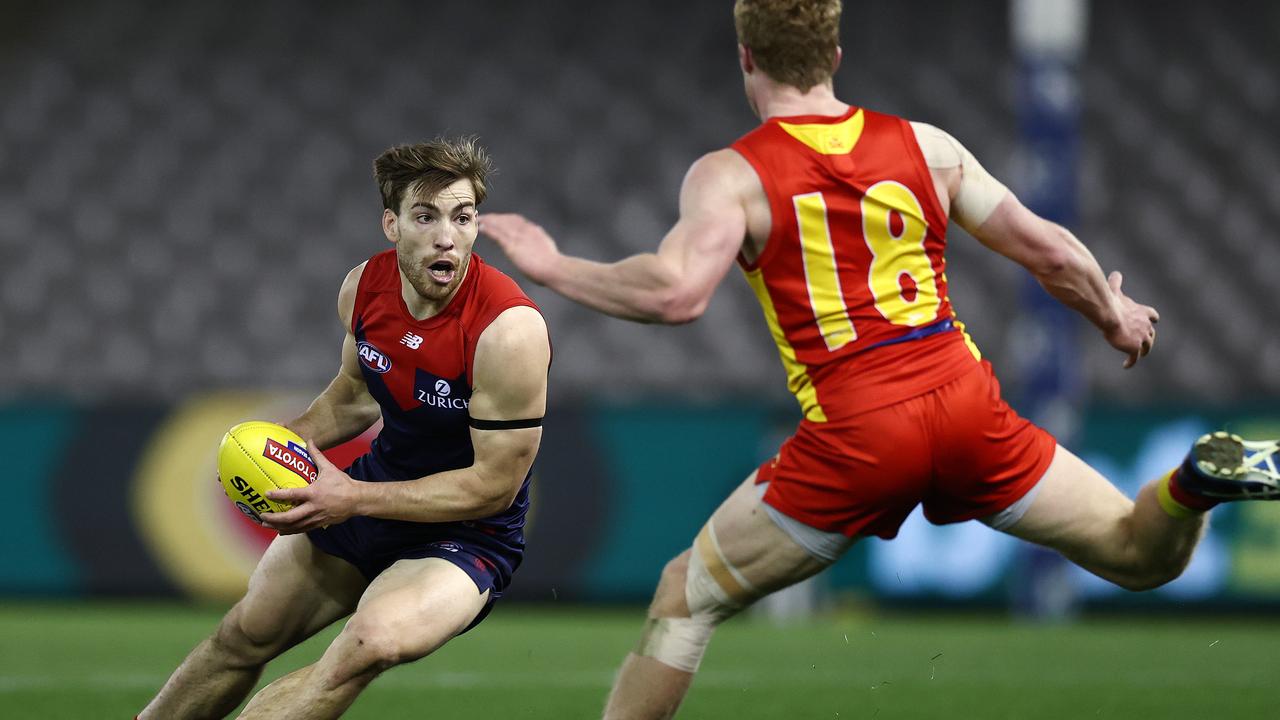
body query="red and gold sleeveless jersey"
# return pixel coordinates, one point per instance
(852, 278)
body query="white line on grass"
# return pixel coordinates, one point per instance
(410, 677)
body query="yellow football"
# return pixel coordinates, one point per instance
(259, 456)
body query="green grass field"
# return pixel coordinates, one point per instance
(94, 661)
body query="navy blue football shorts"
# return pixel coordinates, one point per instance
(374, 544)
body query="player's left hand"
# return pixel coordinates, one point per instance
(327, 501)
(525, 243)
(1135, 332)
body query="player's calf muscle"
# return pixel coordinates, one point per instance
(1141, 549)
(359, 671)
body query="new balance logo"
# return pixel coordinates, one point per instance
(413, 342)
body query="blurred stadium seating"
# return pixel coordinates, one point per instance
(183, 185)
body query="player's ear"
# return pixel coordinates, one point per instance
(745, 61)
(835, 62)
(389, 227)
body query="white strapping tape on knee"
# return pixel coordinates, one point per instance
(712, 584)
(714, 591)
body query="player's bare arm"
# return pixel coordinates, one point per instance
(510, 384)
(1059, 261)
(1069, 272)
(345, 408)
(672, 285)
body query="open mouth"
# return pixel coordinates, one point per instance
(442, 271)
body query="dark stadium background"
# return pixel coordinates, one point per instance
(183, 185)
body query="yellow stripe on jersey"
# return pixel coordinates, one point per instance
(798, 381)
(955, 320)
(828, 139)
(820, 273)
(968, 341)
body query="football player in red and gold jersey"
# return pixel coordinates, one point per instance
(837, 215)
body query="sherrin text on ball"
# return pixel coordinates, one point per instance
(256, 457)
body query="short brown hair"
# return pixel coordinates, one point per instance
(792, 41)
(427, 168)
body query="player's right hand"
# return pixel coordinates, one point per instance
(329, 499)
(525, 243)
(1135, 333)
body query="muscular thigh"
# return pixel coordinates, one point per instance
(1076, 511)
(295, 591)
(417, 605)
(745, 550)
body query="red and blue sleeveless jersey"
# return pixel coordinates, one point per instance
(420, 371)
(852, 278)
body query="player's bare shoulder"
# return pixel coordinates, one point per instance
(347, 293)
(726, 172)
(513, 355)
(517, 332)
(725, 176)
(968, 193)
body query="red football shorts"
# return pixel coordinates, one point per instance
(959, 449)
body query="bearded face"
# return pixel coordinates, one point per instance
(433, 238)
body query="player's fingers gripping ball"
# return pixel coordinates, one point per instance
(256, 457)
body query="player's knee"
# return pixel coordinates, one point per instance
(669, 598)
(1154, 574)
(690, 603)
(372, 646)
(1147, 570)
(1142, 582)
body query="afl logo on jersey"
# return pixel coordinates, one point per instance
(372, 358)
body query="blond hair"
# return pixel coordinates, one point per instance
(792, 41)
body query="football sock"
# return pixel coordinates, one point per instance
(1177, 500)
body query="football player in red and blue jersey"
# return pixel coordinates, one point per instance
(419, 537)
(837, 216)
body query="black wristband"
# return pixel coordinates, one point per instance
(505, 424)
